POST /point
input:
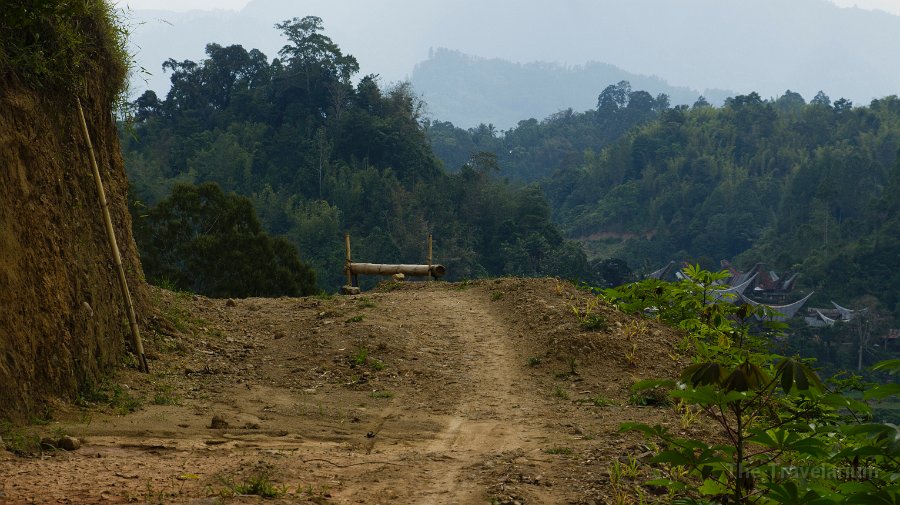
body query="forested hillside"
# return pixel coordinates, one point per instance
(534, 149)
(318, 155)
(468, 90)
(808, 187)
(797, 185)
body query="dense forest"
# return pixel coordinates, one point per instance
(810, 187)
(303, 150)
(317, 156)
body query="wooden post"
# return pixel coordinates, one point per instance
(348, 260)
(114, 247)
(429, 255)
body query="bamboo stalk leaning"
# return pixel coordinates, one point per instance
(114, 247)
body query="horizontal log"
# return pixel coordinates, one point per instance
(411, 270)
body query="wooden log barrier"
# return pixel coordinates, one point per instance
(354, 270)
(411, 270)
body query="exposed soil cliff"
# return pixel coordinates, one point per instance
(62, 318)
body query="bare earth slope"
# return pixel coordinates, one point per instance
(488, 392)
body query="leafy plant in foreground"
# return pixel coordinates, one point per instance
(785, 438)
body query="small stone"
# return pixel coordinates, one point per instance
(69, 443)
(646, 456)
(370, 434)
(218, 423)
(350, 290)
(230, 302)
(48, 444)
(279, 334)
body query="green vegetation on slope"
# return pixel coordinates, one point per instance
(57, 44)
(799, 186)
(318, 156)
(783, 436)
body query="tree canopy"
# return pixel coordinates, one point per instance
(318, 156)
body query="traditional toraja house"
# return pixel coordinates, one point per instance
(828, 317)
(755, 287)
(767, 287)
(759, 286)
(779, 312)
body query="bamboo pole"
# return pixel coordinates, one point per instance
(429, 252)
(114, 247)
(348, 261)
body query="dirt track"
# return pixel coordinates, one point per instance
(480, 393)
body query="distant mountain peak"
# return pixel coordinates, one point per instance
(467, 90)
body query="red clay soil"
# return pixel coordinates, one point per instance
(484, 392)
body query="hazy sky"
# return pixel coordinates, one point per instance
(766, 46)
(892, 6)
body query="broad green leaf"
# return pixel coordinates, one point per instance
(882, 391)
(675, 457)
(703, 374)
(891, 366)
(880, 497)
(734, 396)
(854, 487)
(810, 446)
(736, 381)
(793, 372)
(713, 488)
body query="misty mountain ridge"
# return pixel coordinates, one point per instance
(468, 90)
(768, 46)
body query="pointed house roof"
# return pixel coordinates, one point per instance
(849, 314)
(733, 290)
(782, 312)
(788, 285)
(739, 277)
(826, 319)
(662, 272)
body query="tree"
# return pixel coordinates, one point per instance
(701, 103)
(842, 105)
(613, 98)
(314, 54)
(146, 106)
(202, 240)
(790, 102)
(821, 99)
(611, 272)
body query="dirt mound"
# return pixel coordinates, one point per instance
(61, 313)
(484, 392)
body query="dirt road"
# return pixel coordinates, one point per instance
(487, 392)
